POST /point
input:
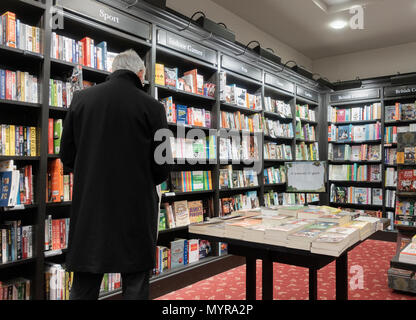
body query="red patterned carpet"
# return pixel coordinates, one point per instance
(291, 283)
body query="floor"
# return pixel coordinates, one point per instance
(291, 283)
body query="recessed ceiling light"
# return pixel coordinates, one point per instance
(338, 24)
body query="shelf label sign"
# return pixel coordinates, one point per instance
(240, 67)
(108, 16)
(308, 94)
(306, 176)
(279, 83)
(355, 95)
(400, 91)
(186, 46)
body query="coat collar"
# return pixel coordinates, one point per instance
(126, 74)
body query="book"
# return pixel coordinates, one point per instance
(181, 212)
(193, 250)
(196, 213)
(159, 74)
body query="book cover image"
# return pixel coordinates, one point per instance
(406, 142)
(343, 133)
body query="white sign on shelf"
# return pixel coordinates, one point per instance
(306, 176)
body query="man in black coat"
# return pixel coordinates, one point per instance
(108, 142)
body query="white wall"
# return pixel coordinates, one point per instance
(368, 64)
(245, 32)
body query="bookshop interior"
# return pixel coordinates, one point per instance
(293, 138)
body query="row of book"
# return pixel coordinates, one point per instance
(390, 198)
(181, 213)
(234, 149)
(58, 282)
(305, 132)
(390, 177)
(16, 34)
(19, 86)
(16, 241)
(231, 178)
(350, 133)
(276, 129)
(406, 207)
(275, 175)
(405, 111)
(55, 127)
(241, 97)
(390, 156)
(183, 148)
(191, 81)
(356, 195)
(355, 172)
(307, 151)
(84, 52)
(272, 198)
(183, 252)
(345, 152)
(370, 112)
(60, 93)
(278, 106)
(16, 185)
(390, 133)
(56, 233)
(18, 140)
(110, 282)
(304, 112)
(59, 185)
(240, 121)
(188, 181)
(184, 115)
(15, 289)
(274, 151)
(245, 201)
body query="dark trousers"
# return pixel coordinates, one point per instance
(86, 286)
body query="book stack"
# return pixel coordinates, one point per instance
(399, 111)
(191, 81)
(18, 140)
(58, 282)
(406, 180)
(277, 235)
(60, 93)
(274, 151)
(15, 289)
(246, 201)
(282, 108)
(408, 254)
(84, 52)
(305, 113)
(110, 282)
(230, 178)
(16, 185)
(56, 233)
(184, 115)
(188, 181)
(370, 112)
(237, 229)
(239, 121)
(276, 129)
(305, 132)
(391, 177)
(16, 34)
(350, 133)
(356, 195)
(345, 152)
(275, 175)
(19, 86)
(233, 149)
(241, 98)
(303, 239)
(16, 241)
(307, 151)
(365, 228)
(59, 185)
(355, 172)
(201, 149)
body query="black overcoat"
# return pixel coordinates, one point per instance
(108, 141)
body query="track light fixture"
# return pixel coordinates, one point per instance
(403, 79)
(347, 85)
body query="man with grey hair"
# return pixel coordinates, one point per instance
(108, 142)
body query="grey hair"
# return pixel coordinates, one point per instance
(128, 60)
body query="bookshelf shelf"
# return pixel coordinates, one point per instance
(233, 107)
(354, 122)
(355, 205)
(165, 54)
(352, 162)
(312, 104)
(272, 185)
(276, 160)
(173, 229)
(306, 141)
(239, 189)
(188, 126)
(406, 164)
(175, 92)
(19, 158)
(58, 109)
(54, 253)
(12, 210)
(266, 137)
(284, 95)
(21, 54)
(53, 156)
(356, 142)
(16, 263)
(405, 194)
(59, 204)
(177, 194)
(399, 122)
(277, 116)
(307, 121)
(14, 103)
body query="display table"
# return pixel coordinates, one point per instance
(271, 253)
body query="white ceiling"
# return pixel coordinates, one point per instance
(303, 25)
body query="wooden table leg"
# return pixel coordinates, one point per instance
(267, 279)
(250, 278)
(313, 284)
(342, 277)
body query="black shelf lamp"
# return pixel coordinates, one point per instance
(400, 80)
(348, 85)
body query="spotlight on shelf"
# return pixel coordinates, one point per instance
(347, 85)
(404, 79)
(267, 54)
(219, 29)
(302, 72)
(325, 83)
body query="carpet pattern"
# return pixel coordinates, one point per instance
(291, 283)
